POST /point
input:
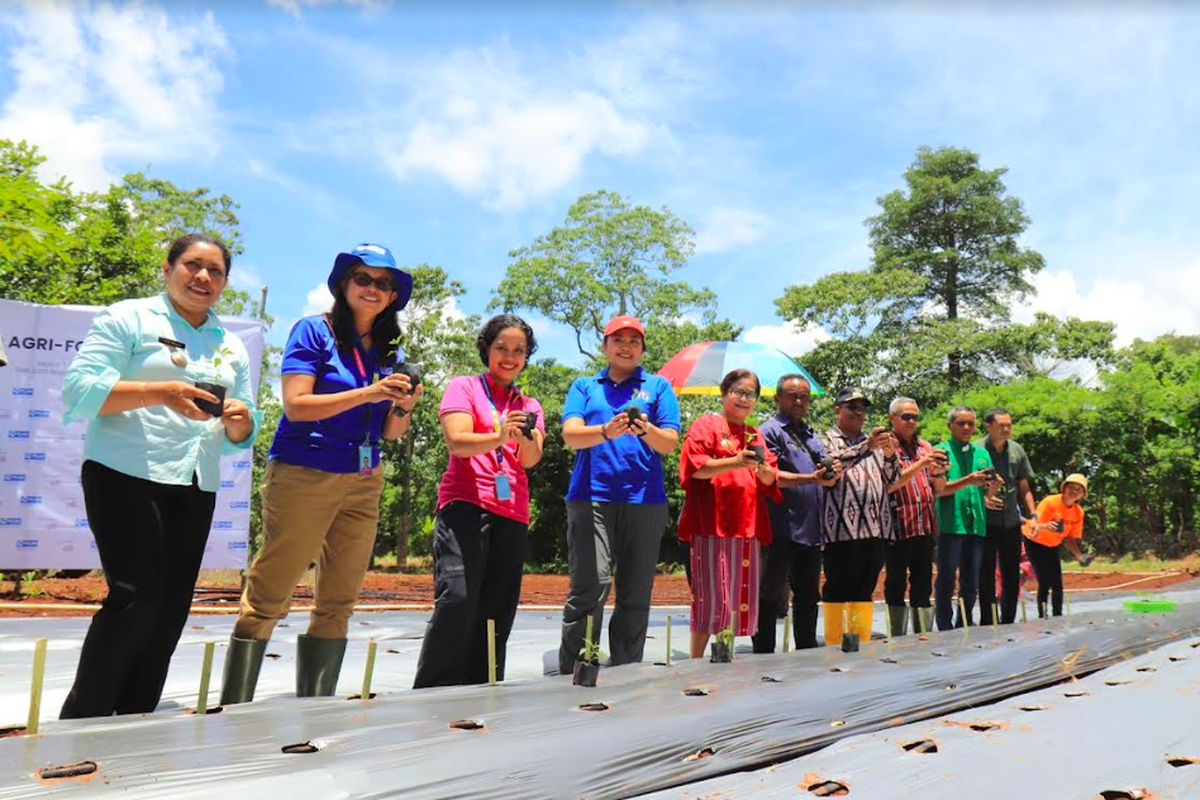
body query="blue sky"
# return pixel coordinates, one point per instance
(456, 132)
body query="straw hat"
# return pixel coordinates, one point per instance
(1079, 479)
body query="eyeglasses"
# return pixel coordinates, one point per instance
(910, 417)
(745, 394)
(859, 408)
(383, 284)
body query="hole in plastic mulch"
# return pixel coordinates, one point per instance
(889, 661)
(1033, 707)
(1076, 694)
(75, 770)
(207, 711)
(594, 707)
(703, 752)
(12, 730)
(466, 725)
(1179, 761)
(829, 789)
(984, 727)
(1118, 682)
(937, 654)
(1124, 794)
(1176, 659)
(838, 669)
(921, 746)
(299, 748)
(769, 679)
(372, 696)
(272, 655)
(392, 650)
(695, 692)
(1147, 668)
(950, 687)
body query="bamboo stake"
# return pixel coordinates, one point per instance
(1067, 598)
(787, 633)
(491, 637)
(996, 615)
(35, 687)
(668, 640)
(1024, 614)
(962, 610)
(205, 675)
(733, 627)
(369, 671)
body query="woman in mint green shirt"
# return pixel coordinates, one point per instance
(150, 471)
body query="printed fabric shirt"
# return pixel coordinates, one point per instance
(964, 512)
(473, 480)
(798, 515)
(916, 505)
(125, 343)
(330, 444)
(858, 506)
(625, 469)
(1053, 508)
(731, 505)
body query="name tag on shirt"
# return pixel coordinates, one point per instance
(364, 459)
(503, 488)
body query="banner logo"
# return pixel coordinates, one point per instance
(18, 434)
(27, 544)
(14, 477)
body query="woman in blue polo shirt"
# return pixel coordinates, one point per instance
(152, 467)
(342, 394)
(620, 422)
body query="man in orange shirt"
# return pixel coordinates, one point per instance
(1059, 521)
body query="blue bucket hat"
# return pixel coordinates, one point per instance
(373, 255)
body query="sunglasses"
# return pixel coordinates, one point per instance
(382, 284)
(910, 417)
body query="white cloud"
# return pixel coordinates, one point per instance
(727, 228)
(482, 123)
(1159, 298)
(788, 337)
(294, 6)
(97, 85)
(317, 301)
(246, 278)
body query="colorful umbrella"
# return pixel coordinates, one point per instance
(699, 368)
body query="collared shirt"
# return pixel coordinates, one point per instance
(473, 480)
(155, 443)
(858, 506)
(916, 504)
(964, 512)
(798, 516)
(329, 444)
(730, 505)
(1012, 464)
(624, 469)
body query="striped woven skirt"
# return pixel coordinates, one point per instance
(724, 576)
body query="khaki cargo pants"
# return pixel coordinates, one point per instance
(310, 515)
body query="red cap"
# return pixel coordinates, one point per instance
(624, 322)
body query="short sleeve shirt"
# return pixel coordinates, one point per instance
(1053, 508)
(473, 480)
(625, 469)
(731, 505)
(915, 500)
(1013, 465)
(330, 444)
(963, 512)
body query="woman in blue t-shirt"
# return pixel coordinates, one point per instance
(343, 391)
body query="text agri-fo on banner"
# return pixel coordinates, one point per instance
(43, 523)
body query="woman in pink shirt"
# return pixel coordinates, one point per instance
(494, 433)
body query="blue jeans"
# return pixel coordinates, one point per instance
(962, 554)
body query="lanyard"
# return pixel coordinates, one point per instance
(497, 417)
(370, 412)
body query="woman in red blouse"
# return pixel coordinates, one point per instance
(726, 472)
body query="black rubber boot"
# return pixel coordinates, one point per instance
(318, 663)
(243, 660)
(898, 620)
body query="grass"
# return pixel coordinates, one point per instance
(1131, 562)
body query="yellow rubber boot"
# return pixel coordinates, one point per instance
(861, 617)
(835, 623)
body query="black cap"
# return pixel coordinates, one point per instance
(850, 395)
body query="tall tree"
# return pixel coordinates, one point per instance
(607, 258)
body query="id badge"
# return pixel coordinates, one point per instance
(364, 459)
(503, 488)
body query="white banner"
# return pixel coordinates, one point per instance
(43, 524)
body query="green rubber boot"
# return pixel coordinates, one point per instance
(318, 663)
(898, 620)
(923, 620)
(243, 660)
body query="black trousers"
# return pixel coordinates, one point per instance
(852, 570)
(786, 563)
(1004, 545)
(151, 539)
(477, 563)
(911, 559)
(958, 557)
(1047, 565)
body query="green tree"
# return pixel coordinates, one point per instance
(607, 258)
